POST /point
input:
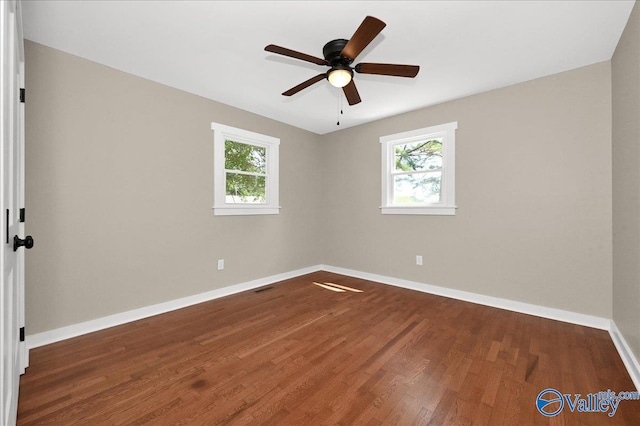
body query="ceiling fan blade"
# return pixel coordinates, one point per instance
(305, 84)
(388, 69)
(350, 91)
(365, 33)
(293, 54)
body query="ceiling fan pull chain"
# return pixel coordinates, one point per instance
(339, 105)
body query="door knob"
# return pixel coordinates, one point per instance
(27, 242)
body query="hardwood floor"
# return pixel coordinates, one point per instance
(299, 354)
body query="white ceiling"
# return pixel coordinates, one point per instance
(216, 49)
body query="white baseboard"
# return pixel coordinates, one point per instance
(630, 362)
(56, 335)
(496, 302)
(44, 338)
(52, 336)
(628, 358)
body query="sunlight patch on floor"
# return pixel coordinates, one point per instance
(338, 290)
(344, 287)
(337, 287)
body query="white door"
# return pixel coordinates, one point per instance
(11, 169)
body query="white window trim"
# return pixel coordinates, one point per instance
(272, 145)
(447, 206)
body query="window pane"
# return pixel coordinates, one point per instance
(245, 157)
(245, 189)
(417, 188)
(421, 155)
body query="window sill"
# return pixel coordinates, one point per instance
(245, 211)
(422, 210)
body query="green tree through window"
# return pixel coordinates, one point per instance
(246, 168)
(418, 171)
(246, 172)
(415, 156)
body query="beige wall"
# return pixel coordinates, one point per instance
(119, 187)
(119, 195)
(533, 187)
(626, 182)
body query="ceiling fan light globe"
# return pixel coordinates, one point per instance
(339, 77)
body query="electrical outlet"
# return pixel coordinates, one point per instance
(419, 260)
(220, 264)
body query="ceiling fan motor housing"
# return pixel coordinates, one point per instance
(332, 50)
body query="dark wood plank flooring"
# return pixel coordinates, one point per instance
(299, 354)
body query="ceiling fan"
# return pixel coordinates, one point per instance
(339, 55)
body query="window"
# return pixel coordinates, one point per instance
(245, 172)
(418, 171)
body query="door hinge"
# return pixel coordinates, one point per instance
(22, 213)
(22, 334)
(22, 95)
